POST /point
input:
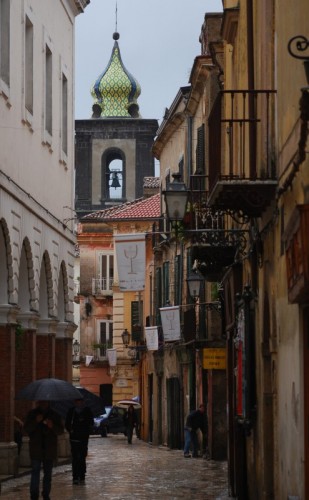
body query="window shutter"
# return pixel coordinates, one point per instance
(166, 276)
(136, 327)
(200, 150)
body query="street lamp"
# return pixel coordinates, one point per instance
(125, 337)
(194, 281)
(133, 351)
(176, 197)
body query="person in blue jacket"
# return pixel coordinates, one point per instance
(195, 420)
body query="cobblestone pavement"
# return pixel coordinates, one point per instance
(117, 470)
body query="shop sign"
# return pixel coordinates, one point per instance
(214, 358)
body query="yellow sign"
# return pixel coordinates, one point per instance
(214, 358)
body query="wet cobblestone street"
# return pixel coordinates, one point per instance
(116, 470)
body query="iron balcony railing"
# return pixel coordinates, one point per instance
(100, 350)
(241, 136)
(102, 286)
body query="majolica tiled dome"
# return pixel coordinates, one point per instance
(116, 91)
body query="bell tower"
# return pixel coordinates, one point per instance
(113, 147)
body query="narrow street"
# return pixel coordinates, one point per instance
(116, 470)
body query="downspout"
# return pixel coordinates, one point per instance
(250, 52)
(251, 86)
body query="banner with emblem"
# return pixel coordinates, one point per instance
(170, 318)
(152, 338)
(131, 261)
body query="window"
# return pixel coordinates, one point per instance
(200, 150)
(177, 281)
(64, 131)
(136, 320)
(104, 337)
(181, 166)
(48, 91)
(29, 65)
(166, 287)
(106, 272)
(158, 294)
(5, 41)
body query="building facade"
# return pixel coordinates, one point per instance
(258, 178)
(182, 374)
(114, 169)
(37, 242)
(113, 148)
(107, 310)
(238, 135)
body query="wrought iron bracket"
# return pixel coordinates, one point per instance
(237, 215)
(298, 47)
(134, 352)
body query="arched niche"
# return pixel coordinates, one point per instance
(113, 174)
(6, 269)
(46, 288)
(25, 278)
(63, 296)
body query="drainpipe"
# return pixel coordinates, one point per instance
(250, 52)
(251, 86)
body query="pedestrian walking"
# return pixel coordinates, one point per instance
(79, 424)
(130, 421)
(43, 425)
(195, 420)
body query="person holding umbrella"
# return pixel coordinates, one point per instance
(130, 420)
(79, 422)
(43, 425)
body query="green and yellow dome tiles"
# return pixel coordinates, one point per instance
(116, 91)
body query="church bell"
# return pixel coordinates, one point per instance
(115, 181)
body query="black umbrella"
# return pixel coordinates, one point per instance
(49, 389)
(94, 402)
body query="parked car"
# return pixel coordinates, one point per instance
(112, 422)
(97, 420)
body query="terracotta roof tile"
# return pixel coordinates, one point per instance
(142, 208)
(151, 182)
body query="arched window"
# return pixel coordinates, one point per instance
(113, 178)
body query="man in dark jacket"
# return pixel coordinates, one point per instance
(43, 425)
(195, 420)
(79, 423)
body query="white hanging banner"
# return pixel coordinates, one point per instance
(170, 318)
(88, 360)
(152, 340)
(131, 261)
(111, 356)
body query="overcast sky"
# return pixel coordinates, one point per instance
(159, 40)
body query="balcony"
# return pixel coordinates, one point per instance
(242, 176)
(214, 244)
(102, 286)
(100, 351)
